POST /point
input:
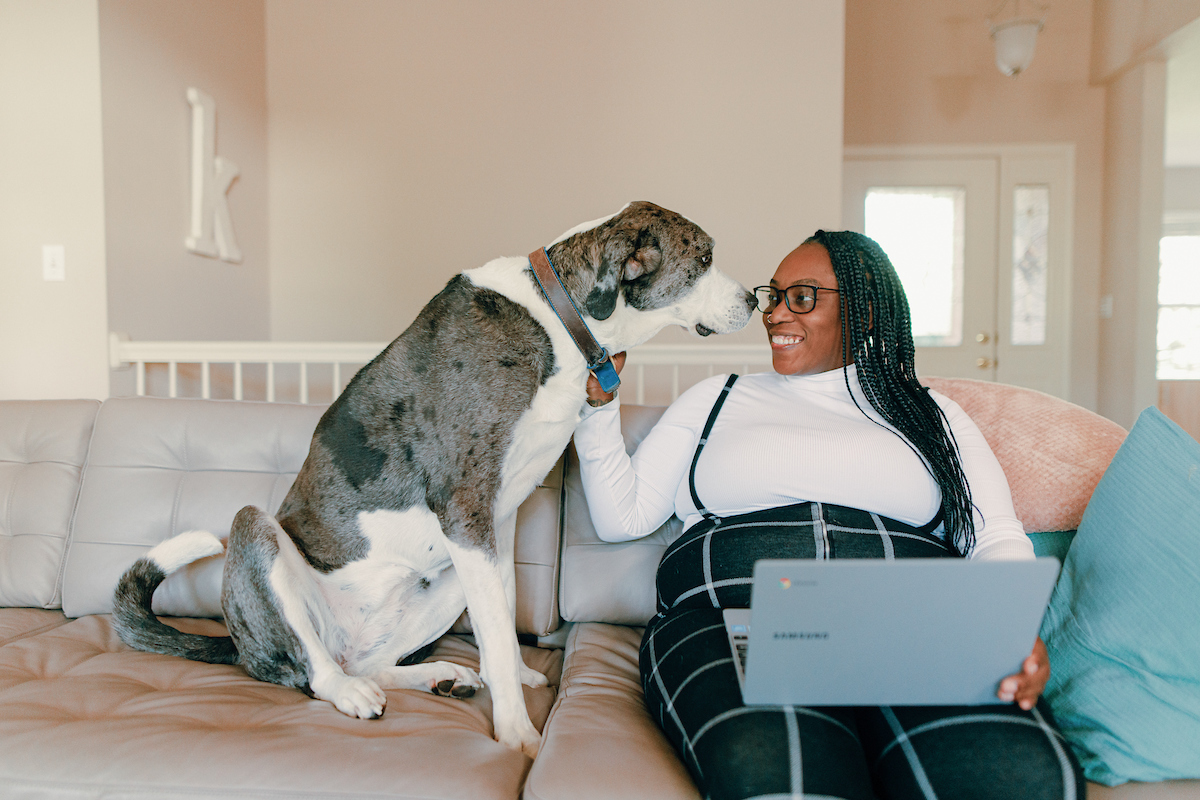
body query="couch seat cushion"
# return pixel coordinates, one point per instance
(18, 623)
(81, 715)
(600, 741)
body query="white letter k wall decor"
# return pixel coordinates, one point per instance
(212, 228)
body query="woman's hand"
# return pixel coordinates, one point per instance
(597, 396)
(1026, 686)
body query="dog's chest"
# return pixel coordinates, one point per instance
(539, 438)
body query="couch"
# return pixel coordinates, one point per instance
(87, 487)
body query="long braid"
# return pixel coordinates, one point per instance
(877, 337)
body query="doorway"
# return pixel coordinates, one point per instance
(981, 238)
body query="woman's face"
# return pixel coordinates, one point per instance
(805, 344)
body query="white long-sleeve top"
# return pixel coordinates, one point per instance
(779, 440)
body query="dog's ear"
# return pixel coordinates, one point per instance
(646, 257)
(618, 248)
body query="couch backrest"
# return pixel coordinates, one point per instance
(160, 467)
(1053, 453)
(43, 447)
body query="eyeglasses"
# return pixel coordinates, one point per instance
(800, 298)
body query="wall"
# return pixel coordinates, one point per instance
(410, 141)
(1133, 194)
(924, 73)
(150, 53)
(1129, 32)
(53, 335)
(1133, 42)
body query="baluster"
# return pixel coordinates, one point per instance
(270, 381)
(237, 380)
(303, 382)
(674, 382)
(205, 381)
(141, 379)
(172, 378)
(337, 379)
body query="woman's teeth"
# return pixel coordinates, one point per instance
(785, 340)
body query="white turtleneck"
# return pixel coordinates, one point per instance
(779, 440)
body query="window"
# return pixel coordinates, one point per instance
(922, 231)
(1179, 308)
(1031, 226)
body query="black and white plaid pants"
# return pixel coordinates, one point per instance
(734, 751)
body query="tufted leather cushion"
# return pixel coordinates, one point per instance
(600, 741)
(601, 581)
(160, 467)
(81, 715)
(43, 446)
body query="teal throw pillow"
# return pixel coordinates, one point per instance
(1052, 543)
(1123, 626)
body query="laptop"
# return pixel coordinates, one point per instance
(868, 632)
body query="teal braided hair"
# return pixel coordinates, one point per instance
(877, 337)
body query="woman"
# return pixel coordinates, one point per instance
(838, 454)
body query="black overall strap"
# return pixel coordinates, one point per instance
(712, 417)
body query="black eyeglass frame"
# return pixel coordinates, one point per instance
(774, 294)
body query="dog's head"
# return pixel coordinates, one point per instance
(645, 268)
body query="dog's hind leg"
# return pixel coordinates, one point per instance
(426, 616)
(292, 607)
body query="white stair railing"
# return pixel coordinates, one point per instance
(666, 369)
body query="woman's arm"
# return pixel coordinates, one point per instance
(631, 497)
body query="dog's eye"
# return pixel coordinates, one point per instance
(706, 259)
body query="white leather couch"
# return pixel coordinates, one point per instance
(86, 488)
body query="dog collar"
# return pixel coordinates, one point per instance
(597, 357)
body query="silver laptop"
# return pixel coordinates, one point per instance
(868, 632)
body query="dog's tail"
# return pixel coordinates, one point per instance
(136, 623)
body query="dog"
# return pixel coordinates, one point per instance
(403, 514)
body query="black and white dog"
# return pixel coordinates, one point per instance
(404, 511)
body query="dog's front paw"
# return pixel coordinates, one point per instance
(531, 677)
(355, 697)
(520, 736)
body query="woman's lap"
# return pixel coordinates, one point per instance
(738, 752)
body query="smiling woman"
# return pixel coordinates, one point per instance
(839, 453)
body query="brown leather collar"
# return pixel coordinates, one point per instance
(595, 354)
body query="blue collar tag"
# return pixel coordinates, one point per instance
(606, 373)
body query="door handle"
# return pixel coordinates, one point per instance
(983, 337)
(985, 363)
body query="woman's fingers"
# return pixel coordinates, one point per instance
(597, 396)
(1026, 686)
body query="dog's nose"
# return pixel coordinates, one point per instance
(751, 300)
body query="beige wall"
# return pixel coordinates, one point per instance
(1131, 31)
(52, 335)
(409, 141)
(150, 53)
(1133, 207)
(924, 73)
